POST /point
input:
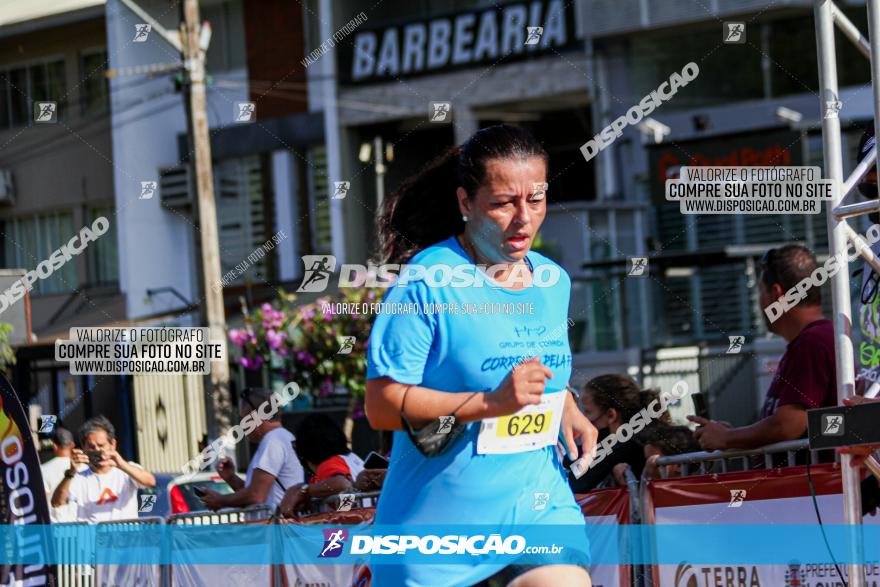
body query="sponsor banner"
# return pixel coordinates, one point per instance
(607, 507)
(609, 543)
(22, 497)
(768, 508)
(357, 575)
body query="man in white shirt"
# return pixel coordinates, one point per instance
(53, 472)
(107, 490)
(273, 469)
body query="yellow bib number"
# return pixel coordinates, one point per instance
(520, 425)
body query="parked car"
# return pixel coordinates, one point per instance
(175, 494)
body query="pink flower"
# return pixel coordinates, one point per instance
(238, 336)
(251, 363)
(275, 339)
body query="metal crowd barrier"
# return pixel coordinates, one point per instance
(787, 448)
(147, 575)
(68, 545)
(255, 513)
(719, 461)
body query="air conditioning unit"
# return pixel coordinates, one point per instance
(174, 187)
(7, 189)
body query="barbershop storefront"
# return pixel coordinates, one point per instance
(425, 80)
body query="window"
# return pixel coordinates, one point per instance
(103, 256)
(29, 241)
(727, 75)
(95, 85)
(243, 221)
(23, 85)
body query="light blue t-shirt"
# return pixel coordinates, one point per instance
(463, 353)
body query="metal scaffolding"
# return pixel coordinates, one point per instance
(828, 15)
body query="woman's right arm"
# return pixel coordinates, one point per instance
(524, 385)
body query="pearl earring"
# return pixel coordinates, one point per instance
(465, 218)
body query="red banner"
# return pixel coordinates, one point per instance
(607, 506)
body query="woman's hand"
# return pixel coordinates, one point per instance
(619, 473)
(575, 425)
(523, 386)
(294, 501)
(370, 479)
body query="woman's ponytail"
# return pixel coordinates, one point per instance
(422, 211)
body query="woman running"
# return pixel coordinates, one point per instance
(470, 362)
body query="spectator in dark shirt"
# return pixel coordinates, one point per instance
(805, 378)
(609, 401)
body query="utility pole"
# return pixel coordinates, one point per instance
(193, 46)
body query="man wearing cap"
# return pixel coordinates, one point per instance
(53, 473)
(273, 469)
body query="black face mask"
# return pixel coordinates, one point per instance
(869, 190)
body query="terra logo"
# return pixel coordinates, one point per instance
(334, 541)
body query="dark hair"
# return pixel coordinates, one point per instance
(787, 266)
(671, 440)
(621, 393)
(254, 397)
(318, 438)
(95, 424)
(62, 437)
(424, 209)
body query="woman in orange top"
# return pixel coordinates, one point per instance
(323, 449)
